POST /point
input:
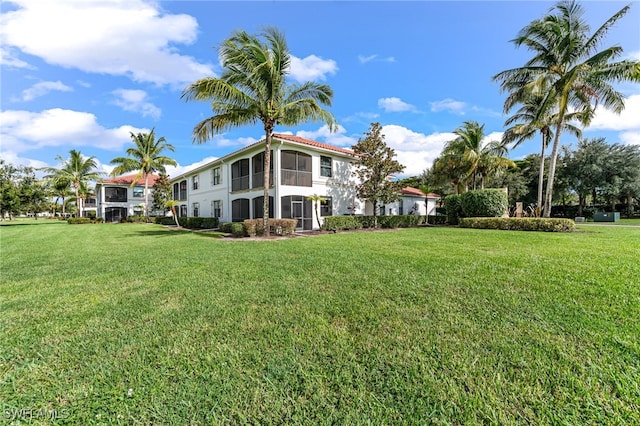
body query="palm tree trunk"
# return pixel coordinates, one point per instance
(541, 175)
(268, 128)
(552, 167)
(78, 204)
(146, 197)
(315, 206)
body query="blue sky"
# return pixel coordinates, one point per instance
(79, 74)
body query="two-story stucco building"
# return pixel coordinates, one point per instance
(120, 197)
(232, 187)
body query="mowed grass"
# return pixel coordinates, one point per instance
(138, 324)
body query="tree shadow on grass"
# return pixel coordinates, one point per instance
(40, 222)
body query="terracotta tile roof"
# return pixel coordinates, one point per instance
(128, 179)
(433, 195)
(310, 142)
(407, 190)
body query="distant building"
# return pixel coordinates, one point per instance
(120, 197)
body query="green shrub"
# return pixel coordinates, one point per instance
(400, 221)
(79, 220)
(453, 206)
(136, 219)
(484, 203)
(437, 220)
(238, 230)
(255, 227)
(226, 227)
(164, 220)
(519, 224)
(198, 222)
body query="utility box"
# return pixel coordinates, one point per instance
(606, 217)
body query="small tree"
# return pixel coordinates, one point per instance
(171, 205)
(375, 166)
(161, 193)
(316, 199)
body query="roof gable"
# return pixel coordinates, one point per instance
(313, 143)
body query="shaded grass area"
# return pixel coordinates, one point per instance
(126, 324)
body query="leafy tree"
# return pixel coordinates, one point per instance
(253, 89)
(9, 192)
(74, 171)
(375, 166)
(161, 193)
(145, 158)
(32, 192)
(568, 71)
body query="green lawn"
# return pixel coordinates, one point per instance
(137, 324)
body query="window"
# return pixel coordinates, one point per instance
(196, 209)
(400, 208)
(194, 182)
(325, 166)
(113, 194)
(240, 175)
(296, 168)
(258, 207)
(176, 191)
(216, 177)
(183, 190)
(240, 210)
(216, 208)
(138, 191)
(326, 207)
(183, 210)
(257, 177)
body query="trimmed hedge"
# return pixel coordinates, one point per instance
(453, 206)
(254, 227)
(437, 219)
(346, 223)
(198, 222)
(165, 220)
(484, 203)
(82, 220)
(519, 224)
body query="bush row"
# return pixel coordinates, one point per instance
(519, 224)
(344, 223)
(164, 220)
(82, 220)
(255, 227)
(198, 222)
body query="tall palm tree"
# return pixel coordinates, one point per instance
(568, 70)
(75, 171)
(530, 119)
(145, 158)
(253, 88)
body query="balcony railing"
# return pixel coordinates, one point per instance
(240, 183)
(296, 178)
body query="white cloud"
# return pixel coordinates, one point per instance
(630, 138)
(493, 136)
(42, 88)
(8, 59)
(627, 120)
(136, 101)
(450, 105)
(26, 131)
(179, 170)
(416, 151)
(312, 68)
(394, 105)
(364, 59)
(339, 138)
(119, 37)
